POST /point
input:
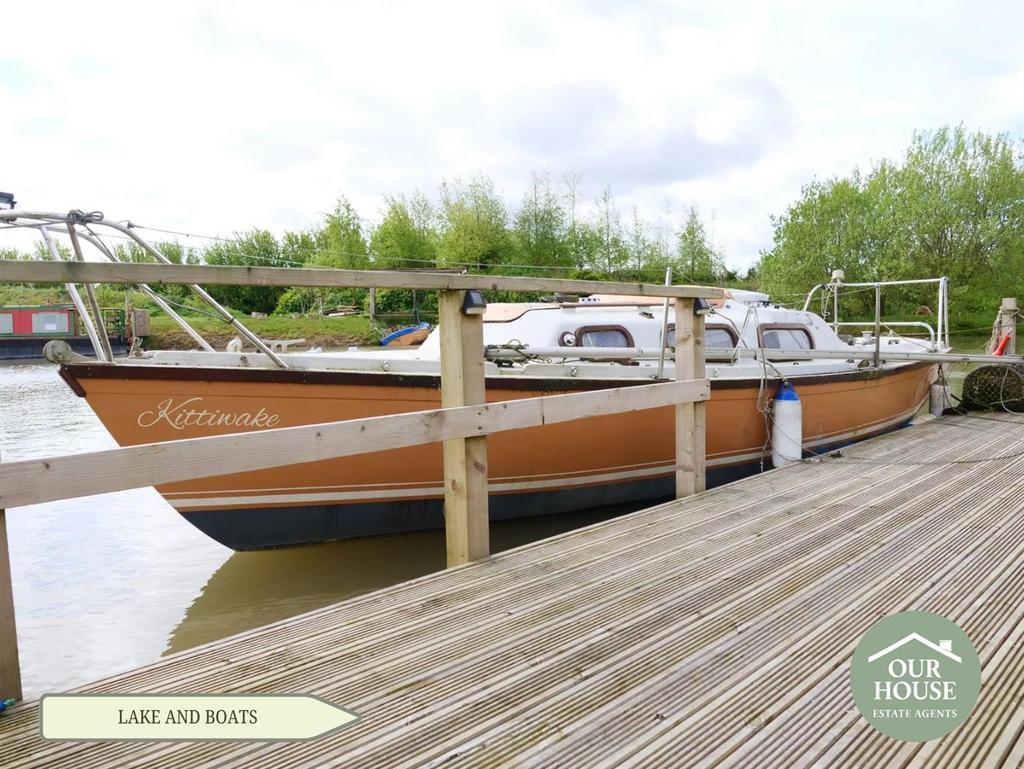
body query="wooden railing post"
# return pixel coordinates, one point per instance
(465, 459)
(686, 433)
(699, 409)
(1008, 324)
(10, 669)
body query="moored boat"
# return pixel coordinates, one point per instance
(25, 330)
(849, 388)
(619, 459)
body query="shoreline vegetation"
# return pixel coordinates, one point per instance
(952, 205)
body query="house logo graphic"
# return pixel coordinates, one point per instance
(915, 676)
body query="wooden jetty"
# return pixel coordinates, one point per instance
(714, 630)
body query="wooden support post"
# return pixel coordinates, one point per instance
(373, 304)
(10, 669)
(699, 409)
(465, 459)
(686, 434)
(1008, 324)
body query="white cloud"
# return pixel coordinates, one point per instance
(215, 117)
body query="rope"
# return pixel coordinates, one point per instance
(78, 216)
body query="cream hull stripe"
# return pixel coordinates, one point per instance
(498, 487)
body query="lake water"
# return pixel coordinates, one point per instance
(107, 583)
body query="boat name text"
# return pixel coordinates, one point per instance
(180, 415)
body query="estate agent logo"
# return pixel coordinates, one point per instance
(915, 676)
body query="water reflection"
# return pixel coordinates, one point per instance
(99, 582)
(254, 588)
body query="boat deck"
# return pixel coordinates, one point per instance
(711, 631)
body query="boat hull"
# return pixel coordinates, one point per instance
(621, 459)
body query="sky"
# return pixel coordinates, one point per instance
(218, 117)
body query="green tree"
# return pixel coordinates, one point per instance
(953, 205)
(344, 240)
(646, 257)
(539, 229)
(696, 258)
(303, 246)
(405, 237)
(41, 252)
(300, 248)
(256, 247)
(612, 253)
(573, 237)
(474, 226)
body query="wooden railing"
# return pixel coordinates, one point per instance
(461, 424)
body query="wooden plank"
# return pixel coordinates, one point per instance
(686, 438)
(44, 480)
(184, 274)
(10, 668)
(465, 458)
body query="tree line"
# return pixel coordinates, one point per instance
(952, 205)
(471, 228)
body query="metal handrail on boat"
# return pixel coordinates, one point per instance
(894, 323)
(941, 333)
(79, 226)
(520, 353)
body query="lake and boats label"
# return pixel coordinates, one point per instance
(915, 676)
(189, 717)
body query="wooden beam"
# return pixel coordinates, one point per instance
(686, 438)
(10, 668)
(184, 274)
(465, 459)
(33, 481)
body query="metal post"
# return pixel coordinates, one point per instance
(108, 354)
(202, 294)
(664, 326)
(76, 298)
(941, 310)
(158, 300)
(878, 326)
(945, 308)
(835, 308)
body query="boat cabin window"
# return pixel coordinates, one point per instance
(603, 336)
(778, 336)
(6, 323)
(44, 322)
(719, 337)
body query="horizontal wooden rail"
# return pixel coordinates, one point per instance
(12, 271)
(45, 480)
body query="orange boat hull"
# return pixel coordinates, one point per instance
(608, 460)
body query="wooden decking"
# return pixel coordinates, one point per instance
(712, 631)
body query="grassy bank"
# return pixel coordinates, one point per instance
(328, 333)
